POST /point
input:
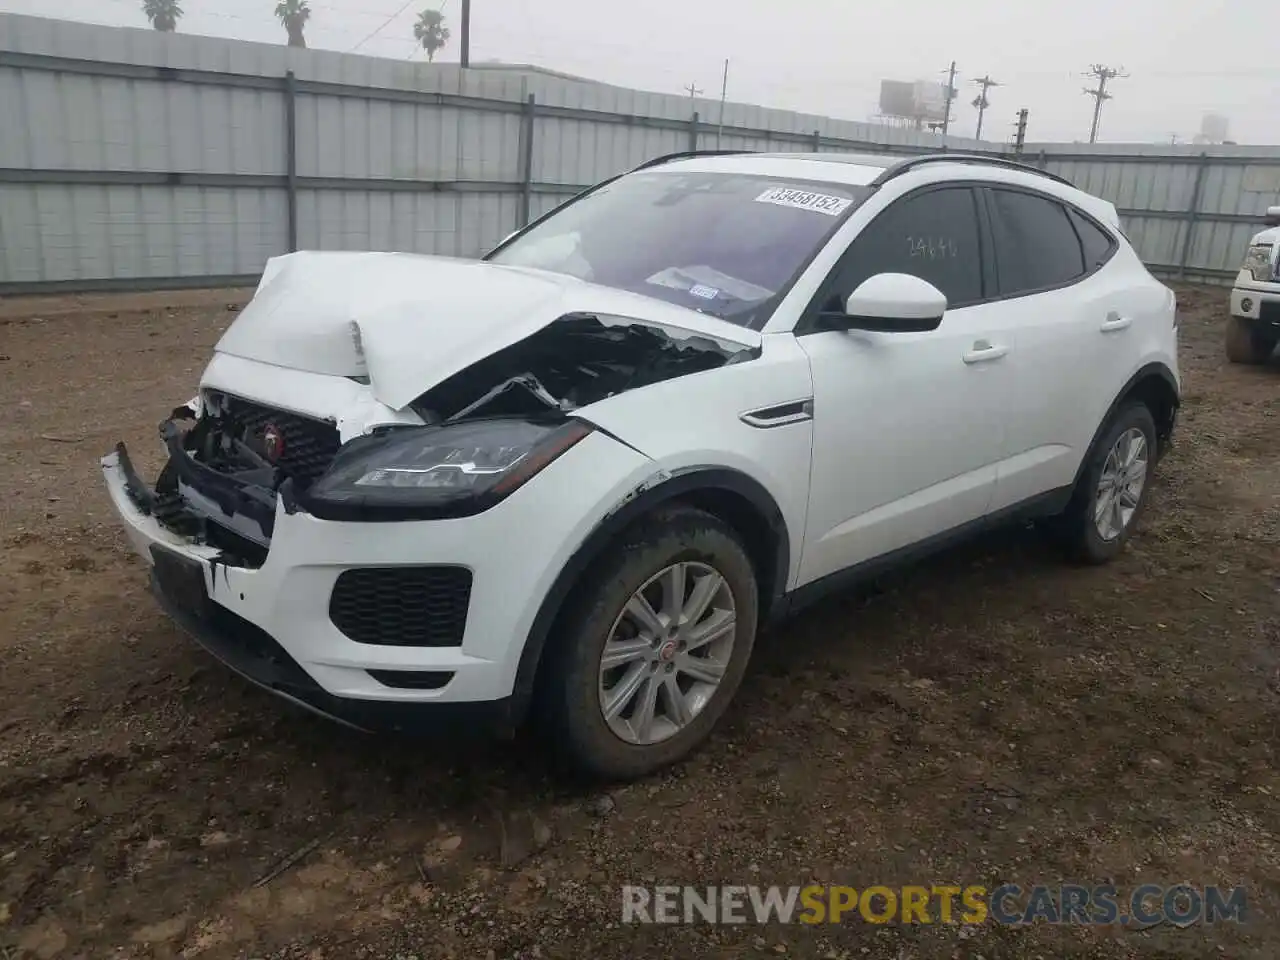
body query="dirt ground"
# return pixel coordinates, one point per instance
(990, 716)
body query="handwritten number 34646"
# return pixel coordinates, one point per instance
(932, 248)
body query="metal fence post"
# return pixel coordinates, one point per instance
(693, 131)
(1193, 214)
(291, 154)
(526, 158)
(817, 141)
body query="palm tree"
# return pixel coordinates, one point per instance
(163, 14)
(431, 32)
(294, 14)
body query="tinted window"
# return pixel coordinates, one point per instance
(721, 243)
(1097, 242)
(1036, 246)
(932, 235)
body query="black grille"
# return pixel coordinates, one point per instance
(402, 606)
(1269, 311)
(309, 445)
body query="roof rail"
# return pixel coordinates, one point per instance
(686, 155)
(898, 169)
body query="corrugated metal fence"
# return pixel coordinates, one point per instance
(133, 160)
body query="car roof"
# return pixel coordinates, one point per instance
(872, 170)
(854, 169)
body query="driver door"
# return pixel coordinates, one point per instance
(908, 427)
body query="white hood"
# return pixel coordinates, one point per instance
(409, 322)
(1267, 236)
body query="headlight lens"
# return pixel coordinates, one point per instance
(1258, 262)
(447, 471)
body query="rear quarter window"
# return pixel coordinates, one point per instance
(1097, 243)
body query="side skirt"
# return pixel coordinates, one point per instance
(1042, 505)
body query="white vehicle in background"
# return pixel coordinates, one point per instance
(580, 473)
(1253, 329)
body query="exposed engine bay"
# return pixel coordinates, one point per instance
(574, 362)
(228, 467)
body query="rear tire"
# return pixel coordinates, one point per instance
(674, 705)
(1112, 491)
(1245, 344)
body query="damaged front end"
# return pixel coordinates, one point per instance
(483, 433)
(230, 459)
(579, 360)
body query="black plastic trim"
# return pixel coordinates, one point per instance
(688, 155)
(644, 500)
(906, 166)
(412, 679)
(232, 496)
(141, 495)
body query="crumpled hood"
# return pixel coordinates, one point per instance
(409, 322)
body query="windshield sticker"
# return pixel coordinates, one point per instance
(805, 200)
(703, 291)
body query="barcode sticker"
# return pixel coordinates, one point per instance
(832, 206)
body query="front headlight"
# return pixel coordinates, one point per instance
(440, 471)
(1258, 262)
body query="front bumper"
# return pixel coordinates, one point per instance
(271, 623)
(1259, 304)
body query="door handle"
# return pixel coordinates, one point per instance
(1115, 322)
(984, 351)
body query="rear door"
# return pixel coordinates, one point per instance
(1074, 327)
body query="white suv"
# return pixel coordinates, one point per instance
(581, 473)
(1254, 328)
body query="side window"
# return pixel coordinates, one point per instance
(1036, 245)
(932, 235)
(1098, 244)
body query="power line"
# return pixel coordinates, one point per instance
(981, 101)
(1099, 94)
(385, 23)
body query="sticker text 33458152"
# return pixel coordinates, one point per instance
(826, 203)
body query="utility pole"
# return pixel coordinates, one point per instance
(951, 94)
(1020, 137)
(694, 91)
(981, 101)
(466, 33)
(724, 93)
(1100, 96)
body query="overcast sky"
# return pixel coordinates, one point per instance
(827, 56)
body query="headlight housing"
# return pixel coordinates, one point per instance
(1258, 263)
(421, 473)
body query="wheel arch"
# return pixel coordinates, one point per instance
(1155, 385)
(739, 500)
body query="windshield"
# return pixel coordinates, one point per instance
(720, 243)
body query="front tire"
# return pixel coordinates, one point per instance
(1112, 491)
(1245, 344)
(652, 648)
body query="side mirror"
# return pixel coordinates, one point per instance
(892, 303)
